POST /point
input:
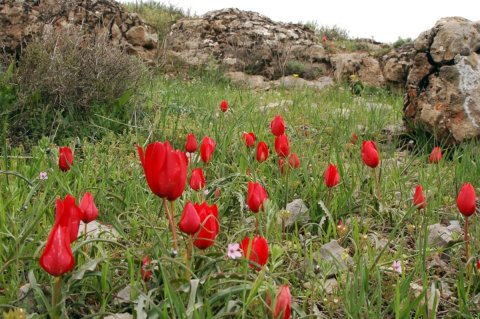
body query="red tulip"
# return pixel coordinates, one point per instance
(207, 148)
(223, 106)
(262, 152)
(277, 125)
(255, 250)
(354, 138)
(189, 222)
(419, 198)
(145, 270)
(209, 225)
(165, 169)
(191, 144)
(57, 258)
(197, 180)
(281, 145)
(67, 209)
(256, 197)
(65, 158)
(293, 160)
(217, 192)
(435, 155)
(249, 139)
(282, 305)
(324, 39)
(466, 200)
(331, 176)
(88, 208)
(370, 154)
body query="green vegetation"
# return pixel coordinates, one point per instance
(319, 126)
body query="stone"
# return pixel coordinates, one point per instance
(439, 236)
(330, 286)
(123, 315)
(292, 82)
(123, 296)
(98, 230)
(366, 67)
(333, 253)
(22, 21)
(296, 213)
(443, 84)
(396, 64)
(247, 80)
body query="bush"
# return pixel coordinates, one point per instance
(158, 15)
(333, 33)
(400, 41)
(7, 98)
(65, 78)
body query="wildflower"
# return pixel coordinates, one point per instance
(331, 176)
(88, 208)
(197, 180)
(209, 225)
(65, 158)
(293, 160)
(419, 198)
(223, 106)
(256, 250)
(207, 148)
(466, 200)
(282, 146)
(190, 221)
(249, 139)
(282, 305)
(43, 176)
(370, 154)
(145, 270)
(262, 152)
(277, 125)
(191, 144)
(397, 266)
(435, 155)
(256, 197)
(324, 38)
(234, 251)
(165, 169)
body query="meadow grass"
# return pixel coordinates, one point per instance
(319, 125)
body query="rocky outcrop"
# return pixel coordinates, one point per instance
(361, 64)
(396, 64)
(21, 21)
(443, 85)
(247, 42)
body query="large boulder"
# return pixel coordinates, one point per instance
(248, 42)
(21, 21)
(362, 64)
(443, 84)
(396, 64)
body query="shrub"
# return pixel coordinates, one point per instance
(400, 41)
(334, 33)
(7, 98)
(67, 77)
(159, 16)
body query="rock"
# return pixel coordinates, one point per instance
(296, 213)
(433, 295)
(98, 230)
(22, 21)
(396, 64)
(123, 315)
(331, 284)
(296, 83)
(123, 296)
(439, 236)
(245, 41)
(443, 84)
(366, 67)
(284, 104)
(24, 290)
(250, 81)
(335, 254)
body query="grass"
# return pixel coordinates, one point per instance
(319, 126)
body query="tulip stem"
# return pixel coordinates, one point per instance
(256, 224)
(172, 225)
(466, 239)
(189, 255)
(85, 236)
(56, 295)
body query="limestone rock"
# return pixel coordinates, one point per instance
(250, 81)
(123, 315)
(335, 254)
(361, 64)
(443, 84)
(297, 212)
(22, 21)
(396, 64)
(439, 236)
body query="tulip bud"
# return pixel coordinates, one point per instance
(370, 154)
(65, 158)
(207, 148)
(256, 197)
(189, 222)
(197, 180)
(145, 270)
(191, 144)
(282, 305)
(466, 200)
(282, 146)
(88, 208)
(331, 176)
(256, 250)
(419, 198)
(293, 160)
(435, 155)
(209, 225)
(262, 152)
(277, 125)
(249, 139)
(223, 106)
